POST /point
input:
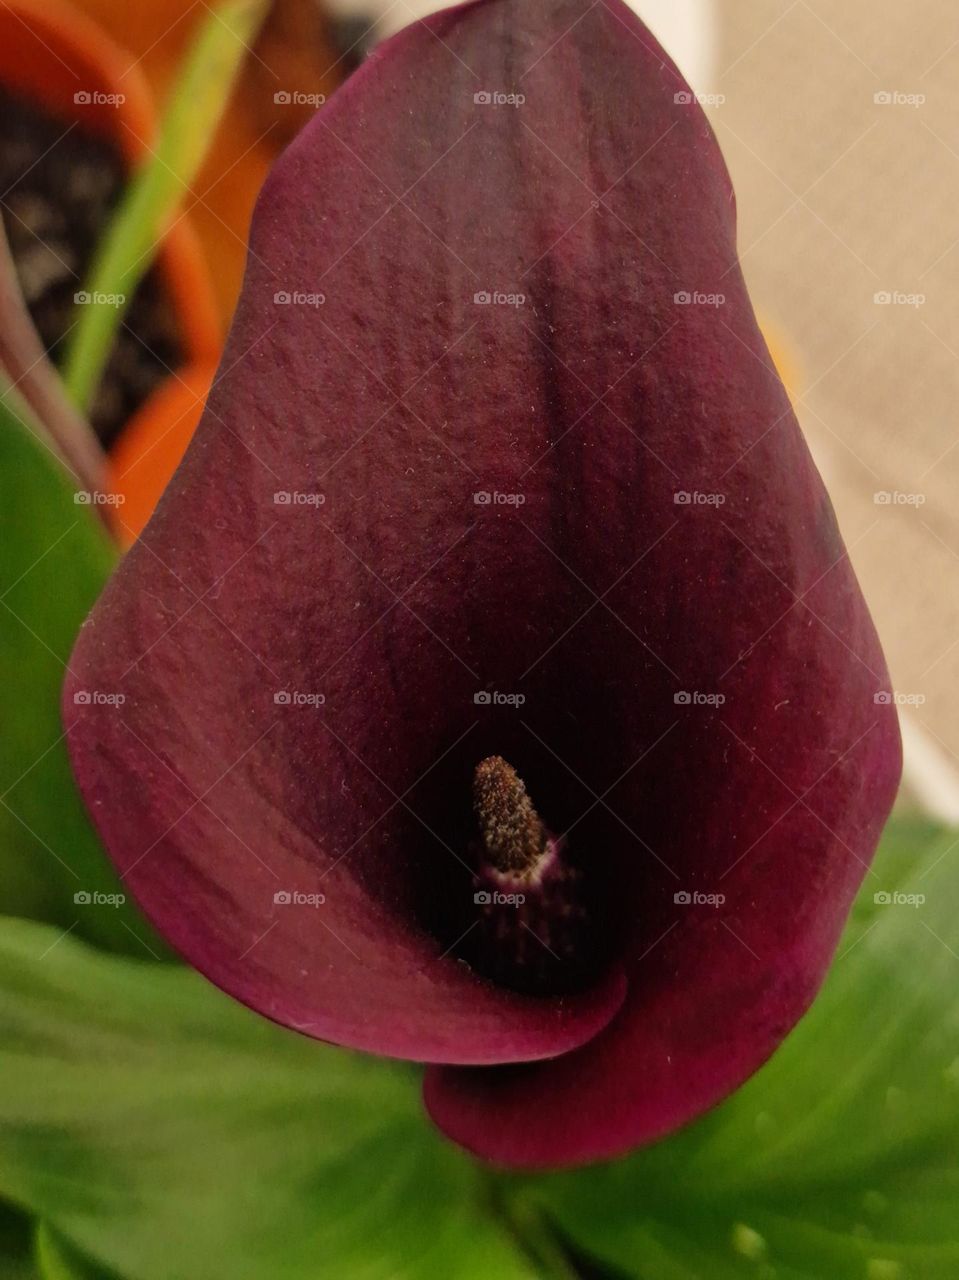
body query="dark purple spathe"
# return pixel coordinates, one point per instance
(537, 302)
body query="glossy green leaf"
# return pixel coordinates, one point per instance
(54, 560)
(130, 243)
(165, 1131)
(838, 1159)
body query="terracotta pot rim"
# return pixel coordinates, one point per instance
(132, 125)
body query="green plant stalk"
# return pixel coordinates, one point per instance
(138, 224)
(529, 1228)
(26, 365)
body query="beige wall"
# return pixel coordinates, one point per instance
(840, 198)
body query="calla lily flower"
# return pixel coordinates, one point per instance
(491, 687)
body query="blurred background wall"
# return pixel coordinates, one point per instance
(841, 128)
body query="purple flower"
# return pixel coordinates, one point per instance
(496, 689)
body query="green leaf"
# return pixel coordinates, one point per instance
(54, 560)
(16, 1251)
(58, 1260)
(132, 238)
(166, 1131)
(838, 1158)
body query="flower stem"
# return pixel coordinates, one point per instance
(532, 1233)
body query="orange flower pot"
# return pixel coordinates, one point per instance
(151, 445)
(54, 56)
(293, 52)
(50, 50)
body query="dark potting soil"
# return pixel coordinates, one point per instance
(56, 193)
